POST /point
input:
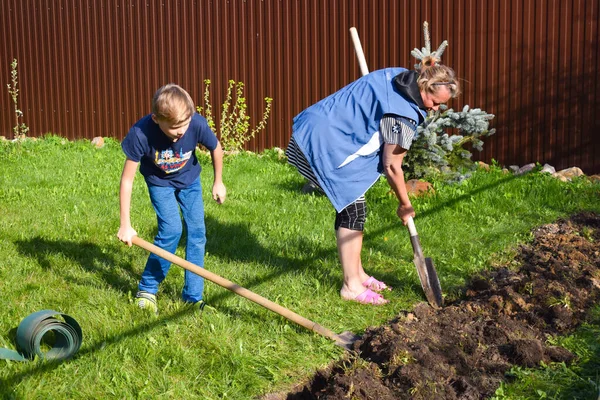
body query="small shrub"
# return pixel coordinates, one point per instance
(20, 129)
(234, 126)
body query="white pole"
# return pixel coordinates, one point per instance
(362, 62)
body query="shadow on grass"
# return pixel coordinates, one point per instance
(298, 186)
(234, 242)
(89, 256)
(450, 202)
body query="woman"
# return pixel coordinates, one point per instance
(343, 143)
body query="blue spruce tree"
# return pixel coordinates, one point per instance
(434, 151)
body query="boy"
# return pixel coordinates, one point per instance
(164, 144)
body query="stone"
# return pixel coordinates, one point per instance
(416, 187)
(547, 169)
(514, 169)
(570, 173)
(526, 168)
(481, 164)
(560, 177)
(594, 178)
(98, 142)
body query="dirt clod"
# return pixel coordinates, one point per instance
(464, 350)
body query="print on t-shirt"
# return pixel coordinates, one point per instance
(170, 161)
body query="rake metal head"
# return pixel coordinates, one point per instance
(346, 339)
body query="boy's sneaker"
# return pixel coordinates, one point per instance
(197, 306)
(146, 301)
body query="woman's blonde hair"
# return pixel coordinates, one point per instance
(432, 76)
(172, 103)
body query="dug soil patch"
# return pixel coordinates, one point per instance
(464, 350)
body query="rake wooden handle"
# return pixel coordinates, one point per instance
(237, 289)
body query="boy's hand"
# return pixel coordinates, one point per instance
(219, 193)
(125, 234)
(405, 212)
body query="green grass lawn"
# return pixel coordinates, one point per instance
(59, 215)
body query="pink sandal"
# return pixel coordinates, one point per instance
(370, 297)
(375, 285)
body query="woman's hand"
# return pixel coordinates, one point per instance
(404, 212)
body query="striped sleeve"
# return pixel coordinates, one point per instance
(398, 130)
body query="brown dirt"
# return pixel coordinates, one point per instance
(464, 350)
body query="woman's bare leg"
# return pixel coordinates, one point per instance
(349, 244)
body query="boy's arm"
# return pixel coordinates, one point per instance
(126, 232)
(219, 191)
(393, 155)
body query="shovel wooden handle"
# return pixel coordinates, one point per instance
(412, 229)
(414, 239)
(227, 284)
(360, 55)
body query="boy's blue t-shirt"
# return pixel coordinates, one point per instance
(162, 161)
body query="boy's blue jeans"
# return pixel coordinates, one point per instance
(167, 202)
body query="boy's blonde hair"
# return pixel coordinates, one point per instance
(431, 77)
(172, 103)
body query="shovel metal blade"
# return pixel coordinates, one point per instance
(429, 281)
(434, 283)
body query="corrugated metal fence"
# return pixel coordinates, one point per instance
(89, 67)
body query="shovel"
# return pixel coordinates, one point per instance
(426, 269)
(345, 339)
